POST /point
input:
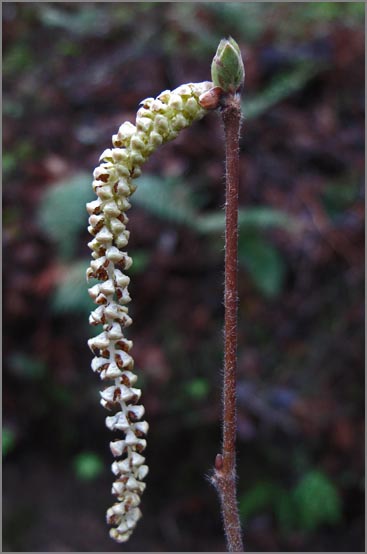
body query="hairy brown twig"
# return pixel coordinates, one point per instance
(226, 96)
(224, 477)
(228, 75)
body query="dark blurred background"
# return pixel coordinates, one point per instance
(72, 73)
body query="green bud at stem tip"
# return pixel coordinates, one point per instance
(228, 71)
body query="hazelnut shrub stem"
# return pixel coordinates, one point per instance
(225, 472)
(228, 73)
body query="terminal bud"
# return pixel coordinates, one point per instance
(228, 71)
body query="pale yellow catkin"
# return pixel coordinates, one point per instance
(158, 120)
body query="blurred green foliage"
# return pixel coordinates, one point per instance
(23, 150)
(313, 502)
(17, 58)
(279, 88)
(91, 19)
(197, 388)
(63, 217)
(168, 198)
(348, 12)
(27, 367)
(88, 465)
(260, 497)
(247, 23)
(71, 293)
(14, 109)
(264, 263)
(247, 20)
(252, 218)
(8, 440)
(171, 200)
(339, 196)
(140, 261)
(62, 213)
(84, 22)
(317, 501)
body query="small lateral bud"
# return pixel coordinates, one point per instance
(218, 464)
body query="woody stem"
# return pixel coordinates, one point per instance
(225, 477)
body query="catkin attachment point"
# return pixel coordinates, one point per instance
(210, 100)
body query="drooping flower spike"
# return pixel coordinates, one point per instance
(158, 121)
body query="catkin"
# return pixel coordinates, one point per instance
(158, 120)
